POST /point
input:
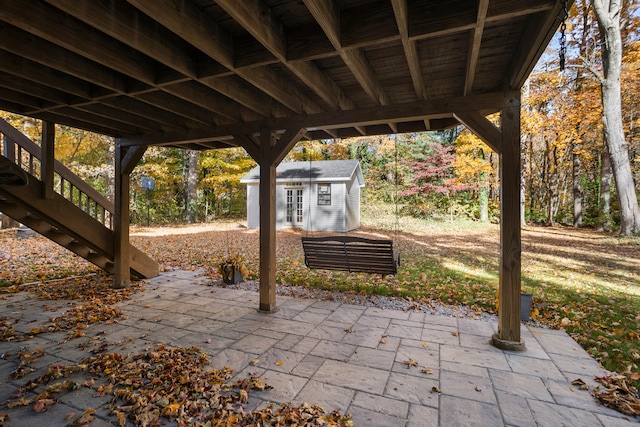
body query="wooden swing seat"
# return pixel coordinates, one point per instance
(352, 254)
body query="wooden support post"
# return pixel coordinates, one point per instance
(47, 162)
(121, 247)
(267, 223)
(508, 336)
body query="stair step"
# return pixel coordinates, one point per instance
(61, 221)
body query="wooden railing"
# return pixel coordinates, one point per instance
(25, 153)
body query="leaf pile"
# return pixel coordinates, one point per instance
(173, 383)
(25, 261)
(618, 394)
(97, 304)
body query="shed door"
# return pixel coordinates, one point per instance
(294, 206)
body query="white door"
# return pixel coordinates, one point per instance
(294, 213)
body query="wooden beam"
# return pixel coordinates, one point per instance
(412, 111)
(326, 13)
(285, 143)
(435, 19)
(46, 22)
(131, 159)
(508, 336)
(400, 10)
(121, 246)
(195, 27)
(250, 146)
(136, 30)
(482, 128)
(47, 162)
(267, 198)
(256, 17)
(474, 48)
(526, 56)
(129, 26)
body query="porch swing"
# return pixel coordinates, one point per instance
(350, 253)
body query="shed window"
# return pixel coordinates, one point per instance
(324, 194)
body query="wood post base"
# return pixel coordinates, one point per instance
(507, 345)
(267, 308)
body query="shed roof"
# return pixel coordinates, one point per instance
(325, 170)
(199, 73)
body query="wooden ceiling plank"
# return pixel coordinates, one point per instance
(474, 48)
(16, 66)
(28, 87)
(499, 10)
(134, 29)
(48, 23)
(204, 33)
(61, 119)
(327, 14)
(127, 117)
(357, 62)
(533, 44)
(151, 112)
(88, 117)
(400, 10)
(43, 52)
(246, 96)
(129, 26)
(256, 17)
(186, 19)
(178, 106)
(427, 21)
(205, 98)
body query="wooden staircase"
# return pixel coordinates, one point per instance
(74, 215)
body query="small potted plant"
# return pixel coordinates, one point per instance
(233, 269)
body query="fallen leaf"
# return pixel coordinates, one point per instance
(427, 371)
(42, 404)
(279, 362)
(349, 330)
(425, 344)
(435, 389)
(455, 333)
(383, 341)
(411, 363)
(86, 417)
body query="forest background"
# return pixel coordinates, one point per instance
(567, 175)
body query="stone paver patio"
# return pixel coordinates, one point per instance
(337, 355)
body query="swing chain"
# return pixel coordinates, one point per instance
(563, 35)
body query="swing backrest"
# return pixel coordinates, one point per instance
(352, 254)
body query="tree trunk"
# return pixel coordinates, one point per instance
(577, 191)
(604, 221)
(111, 173)
(191, 193)
(523, 183)
(608, 15)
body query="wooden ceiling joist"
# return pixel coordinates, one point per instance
(167, 72)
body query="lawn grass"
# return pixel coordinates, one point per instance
(583, 281)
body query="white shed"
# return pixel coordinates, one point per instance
(316, 196)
